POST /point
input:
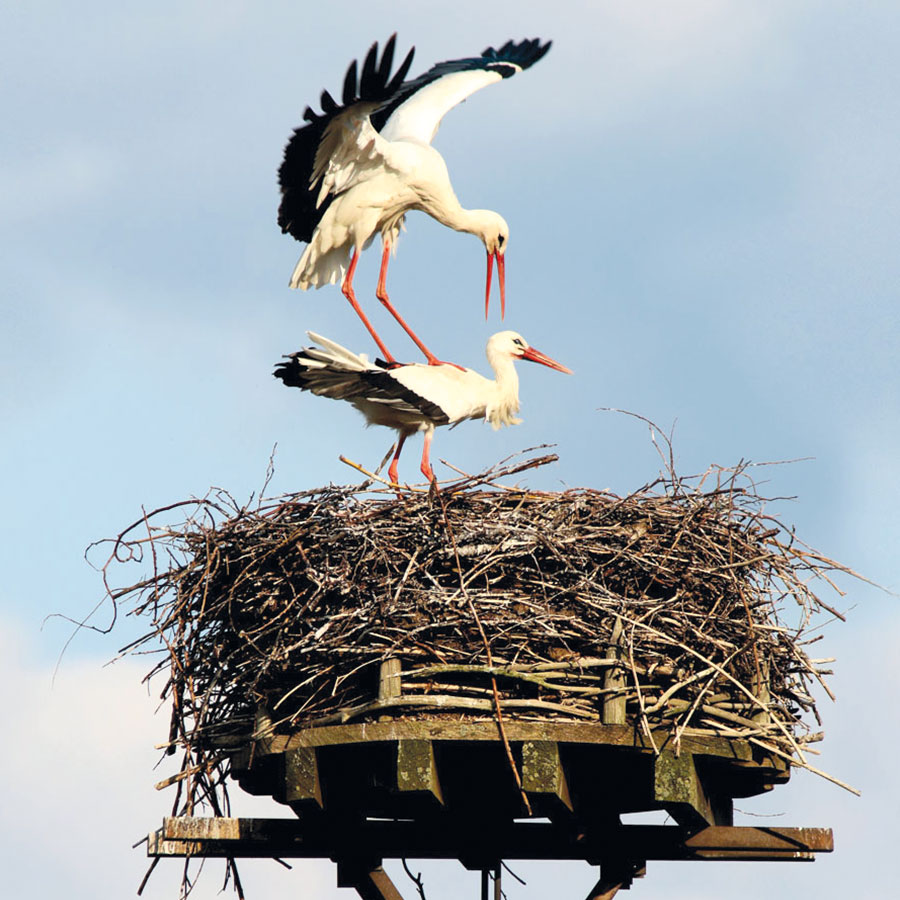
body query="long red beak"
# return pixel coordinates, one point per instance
(530, 353)
(501, 277)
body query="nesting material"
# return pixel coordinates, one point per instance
(683, 608)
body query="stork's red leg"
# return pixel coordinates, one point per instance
(392, 469)
(382, 295)
(427, 471)
(347, 291)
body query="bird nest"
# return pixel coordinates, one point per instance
(684, 607)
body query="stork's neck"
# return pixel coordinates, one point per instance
(506, 391)
(448, 211)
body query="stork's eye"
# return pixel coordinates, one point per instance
(519, 342)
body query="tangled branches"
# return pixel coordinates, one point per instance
(683, 608)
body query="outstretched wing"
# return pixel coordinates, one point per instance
(416, 109)
(336, 144)
(333, 371)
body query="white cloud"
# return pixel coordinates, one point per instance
(79, 760)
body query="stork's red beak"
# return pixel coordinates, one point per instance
(501, 277)
(530, 353)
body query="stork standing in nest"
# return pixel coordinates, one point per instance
(415, 397)
(358, 167)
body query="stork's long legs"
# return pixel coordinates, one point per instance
(392, 469)
(427, 471)
(382, 295)
(347, 291)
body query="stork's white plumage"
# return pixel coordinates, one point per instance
(358, 167)
(415, 397)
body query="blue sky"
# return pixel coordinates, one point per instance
(703, 204)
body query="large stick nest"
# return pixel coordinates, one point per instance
(684, 606)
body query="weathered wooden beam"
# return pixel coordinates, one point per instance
(544, 778)
(301, 777)
(158, 846)
(624, 736)
(214, 828)
(417, 770)
(784, 840)
(289, 838)
(220, 836)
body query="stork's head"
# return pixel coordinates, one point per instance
(513, 345)
(494, 232)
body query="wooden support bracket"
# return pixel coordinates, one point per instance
(417, 770)
(301, 778)
(677, 786)
(544, 778)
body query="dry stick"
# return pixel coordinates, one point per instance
(507, 672)
(750, 629)
(645, 724)
(800, 761)
(767, 746)
(374, 477)
(490, 658)
(687, 718)
(491, 476)
(147, 875)
(445, 701)
(697, 676)
(416, 879)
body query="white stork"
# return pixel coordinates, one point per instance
(358, 167)
(415, 397)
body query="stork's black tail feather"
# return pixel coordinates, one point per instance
(293, 372)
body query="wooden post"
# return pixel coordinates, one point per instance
(389, 679)
(761, 690)
(262, 723)
(613, 712)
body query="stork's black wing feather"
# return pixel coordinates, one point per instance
(297, 214)
(508, 60)
(374, 385)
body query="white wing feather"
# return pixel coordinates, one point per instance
(419, 117)
(351, 151)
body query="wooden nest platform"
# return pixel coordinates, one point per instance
(663, 636)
